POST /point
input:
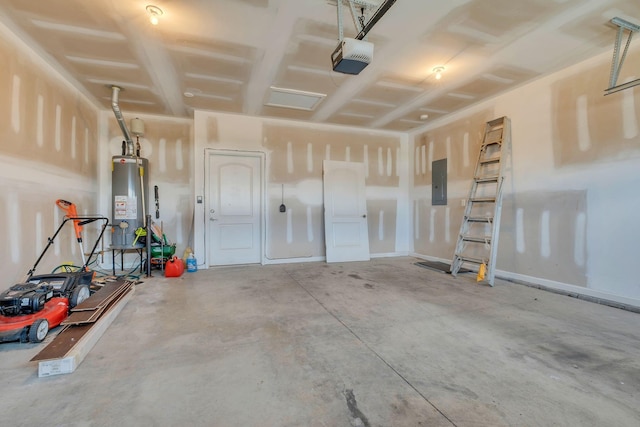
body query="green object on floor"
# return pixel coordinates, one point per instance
(166, 251)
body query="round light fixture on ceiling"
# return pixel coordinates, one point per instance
(154, 13)
(190, 92)
(438, 70)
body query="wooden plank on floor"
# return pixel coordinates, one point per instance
(116, 294)
(50, 363)
(86, 317)
(62, 343)
(65, 340)
(100, 296)
(78, 318)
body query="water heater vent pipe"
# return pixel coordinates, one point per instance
(123, 125)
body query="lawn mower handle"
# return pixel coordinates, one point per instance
(50, 240)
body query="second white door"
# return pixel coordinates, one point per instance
(345, 212)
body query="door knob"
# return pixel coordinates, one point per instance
(364, 216)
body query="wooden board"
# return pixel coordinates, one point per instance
(86, 316)
(63, 342)
(79, 317)
(65, 353)
(74, 330)
(99, 297)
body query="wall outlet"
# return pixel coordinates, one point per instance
(463, 202)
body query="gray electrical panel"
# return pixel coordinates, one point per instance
(439, 182)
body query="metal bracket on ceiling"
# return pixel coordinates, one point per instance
(354, 16)
(366, 27)
(384, 7)
(618, 59)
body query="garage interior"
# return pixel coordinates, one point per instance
(283, 337)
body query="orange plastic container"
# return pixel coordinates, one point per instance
(174, 267)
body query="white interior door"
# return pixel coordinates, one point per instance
(234, 209)
(345, 212)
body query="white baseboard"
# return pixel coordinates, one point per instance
(389, 255)
(551, 285)
(293, 260)
(322, 258)
(569, 289)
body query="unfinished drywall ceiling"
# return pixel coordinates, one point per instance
(225, 55)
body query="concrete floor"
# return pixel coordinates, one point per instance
(380, 343)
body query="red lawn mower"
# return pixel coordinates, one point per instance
(29, 309)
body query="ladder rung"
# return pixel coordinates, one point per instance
(492, 142)
(483, 200)
(488, 219)
(477, 239)
(499, 122)
(481, 179)
(470, 259)
(492, 136)
(491, 160)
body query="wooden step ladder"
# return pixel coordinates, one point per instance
(478, 239)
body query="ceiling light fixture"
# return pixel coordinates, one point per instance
(190, 92)
(438, 71)
(154, 13)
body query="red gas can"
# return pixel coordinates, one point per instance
(174, 267)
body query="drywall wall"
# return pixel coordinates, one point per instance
(293, 175)
(49, 133)
(167, 144)
(570, 206)
(435, 228)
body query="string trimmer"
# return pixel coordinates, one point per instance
(70, 211)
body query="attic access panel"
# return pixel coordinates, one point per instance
(295, 99)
